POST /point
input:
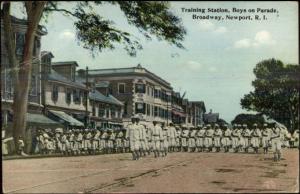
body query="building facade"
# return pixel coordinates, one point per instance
(7, 86)
(143, 93)
(64, 98)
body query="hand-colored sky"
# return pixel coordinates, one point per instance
(216, 66)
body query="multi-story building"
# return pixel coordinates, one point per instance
(63, 97)
(178, 114)
(198, 110)
(142, 92)
(105, 110)
(19, 27)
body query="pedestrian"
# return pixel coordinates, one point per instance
(256, 135)
(218, 133)
(134, 136)
(103, 142)
(21, 146)
(295, 137)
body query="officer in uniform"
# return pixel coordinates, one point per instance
(246, 135)
(256, 135)
(63, 144)
(235, 138)
(134, 136)
(200, 138)
(103, 140)
(295, 138)
(276, 143)
(119, 141)
(143, 140)
(218, 133)
(192, 140)
(111, 140)
(164, 141)
(209, 138)
(95, 141)
(172, 137)
(184, 138)
(178, 139)
(126, 142)
(156, 136)
(227, 136)
(266, 135)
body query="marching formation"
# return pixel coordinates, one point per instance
(160, 139)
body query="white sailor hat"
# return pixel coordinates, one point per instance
(244, 125)
(255, 124)
(265, 124)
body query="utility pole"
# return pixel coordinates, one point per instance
(87, 98)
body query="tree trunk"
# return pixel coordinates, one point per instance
(34, 12)
(10, 47)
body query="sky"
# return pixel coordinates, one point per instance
(217, 65)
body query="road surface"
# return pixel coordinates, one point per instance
(178, 172)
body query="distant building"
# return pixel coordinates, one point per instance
(197, 111)
(211, 117)
(142, 92)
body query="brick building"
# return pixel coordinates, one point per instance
(142, 92)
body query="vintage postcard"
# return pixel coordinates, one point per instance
(150, 97)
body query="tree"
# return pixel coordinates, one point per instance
(276, 92)
(248, 119)
(92, 31)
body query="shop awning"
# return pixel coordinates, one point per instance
(178, 113)
(40, 120)
(67, 118)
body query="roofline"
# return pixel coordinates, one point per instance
(133, 68)
(65, 63)
(69, 84)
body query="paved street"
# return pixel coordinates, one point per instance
(178, 172)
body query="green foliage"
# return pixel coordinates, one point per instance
(96, 34)
(276, 92)
(248, 119)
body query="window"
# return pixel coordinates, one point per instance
(20, 41)
(76, 96)
(148, 109)
(94, 111)
(55, 92)
(101, 110)
(33, 86)
(156, 111)
(113, 112)
(68, 96)
(140, 108)
(84, 97)
(121, 88)
(155, 93)
(140, 88)
(125, 108)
